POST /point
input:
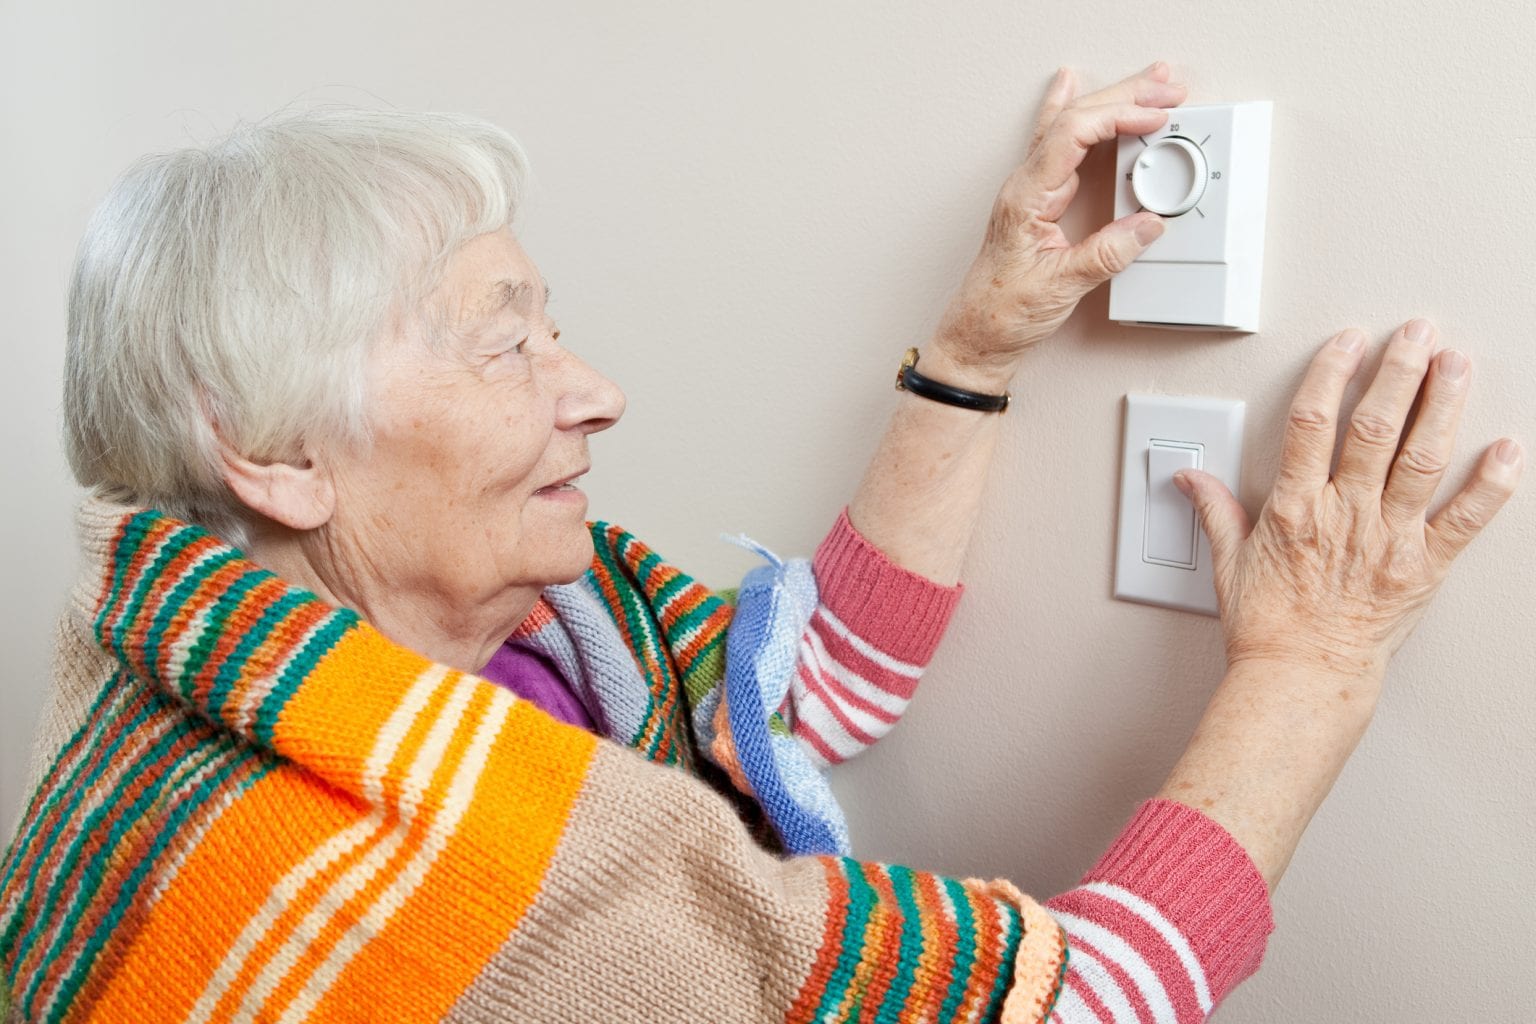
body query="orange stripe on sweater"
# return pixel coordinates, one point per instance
(711, 628)
(293, 913)
(322, 887)
(161, 586)
(876, 928)
(407, 841)
(884, 964)
(332, 720)
(989, 942)
(836, 924)
(228, 639)
(258, 676)
(223, 882)
(142, 560)
(937, 962)
(422, 960)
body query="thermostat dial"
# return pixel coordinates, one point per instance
(1169, 176)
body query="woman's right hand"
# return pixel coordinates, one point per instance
(1317, 595)
(1340, 566)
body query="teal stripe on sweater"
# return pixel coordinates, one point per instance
(965, 947)
(332, 628)
(174, 545)
(1013, 925)
(125, 548)
(86, 830)
(630, 619)
(161, 760)
(224, 680)
(174, 602)
(680, 581)
(861, 900)
(895, 1001)
(186, 806)
(78, 750)
(96, 766)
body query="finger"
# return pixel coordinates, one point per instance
(1222, 516)
(1306, 453)
(1057, 95)
(1427, 452)
(1150, 87)
(1111, 249)
(1078, 129)
(1465, 515)
(1377, 422)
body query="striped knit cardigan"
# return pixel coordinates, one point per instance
(258, 808)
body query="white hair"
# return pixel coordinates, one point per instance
(233, 291)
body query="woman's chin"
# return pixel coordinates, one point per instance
(566, 556)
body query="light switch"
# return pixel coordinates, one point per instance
(1171, 530)
(1162, 556)
(1207, 172)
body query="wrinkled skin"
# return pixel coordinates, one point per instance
(1340, 565)
(1028, 276)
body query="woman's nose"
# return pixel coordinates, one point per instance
(589, 401)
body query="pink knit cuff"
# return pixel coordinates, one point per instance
(896, 610)
(1201, 880)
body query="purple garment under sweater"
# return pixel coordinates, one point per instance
(533, 677)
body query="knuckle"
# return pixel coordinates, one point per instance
(1421, 461)
(1461, 520)
(1109, 260)
(1406, 362)
(1373, 429)
(1291, 517)
(1309, 419)
(1076, 123)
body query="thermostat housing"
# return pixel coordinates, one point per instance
(1207, 173)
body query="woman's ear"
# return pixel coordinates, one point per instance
(298, 494)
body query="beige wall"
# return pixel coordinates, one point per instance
(747, 211)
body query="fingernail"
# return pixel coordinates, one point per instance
(1419, 331)
(1181, 481)
(1149, 231)
(1453, 365)
(1350, 340)
(1508, 452)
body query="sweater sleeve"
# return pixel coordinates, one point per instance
(1169, 921)
(875, 627)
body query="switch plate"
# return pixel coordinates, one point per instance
(1164, 432)
(1206, 271)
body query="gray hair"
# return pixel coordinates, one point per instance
(233, 291)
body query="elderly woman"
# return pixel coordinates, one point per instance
(356, 718)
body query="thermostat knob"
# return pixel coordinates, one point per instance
(1169, 176)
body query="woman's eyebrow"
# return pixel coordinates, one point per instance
(515, 294)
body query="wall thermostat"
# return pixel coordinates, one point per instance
(1207, 173)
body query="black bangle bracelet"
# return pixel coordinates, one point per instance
(908, 379)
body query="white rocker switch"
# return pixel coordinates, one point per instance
(1171, 530)
(1161, 555)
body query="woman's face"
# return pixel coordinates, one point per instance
(467, 492)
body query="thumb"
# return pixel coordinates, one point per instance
(1223, 518)
(1112, 248)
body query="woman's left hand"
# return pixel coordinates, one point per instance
(1028, 277)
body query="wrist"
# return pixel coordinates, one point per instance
(943, 363)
